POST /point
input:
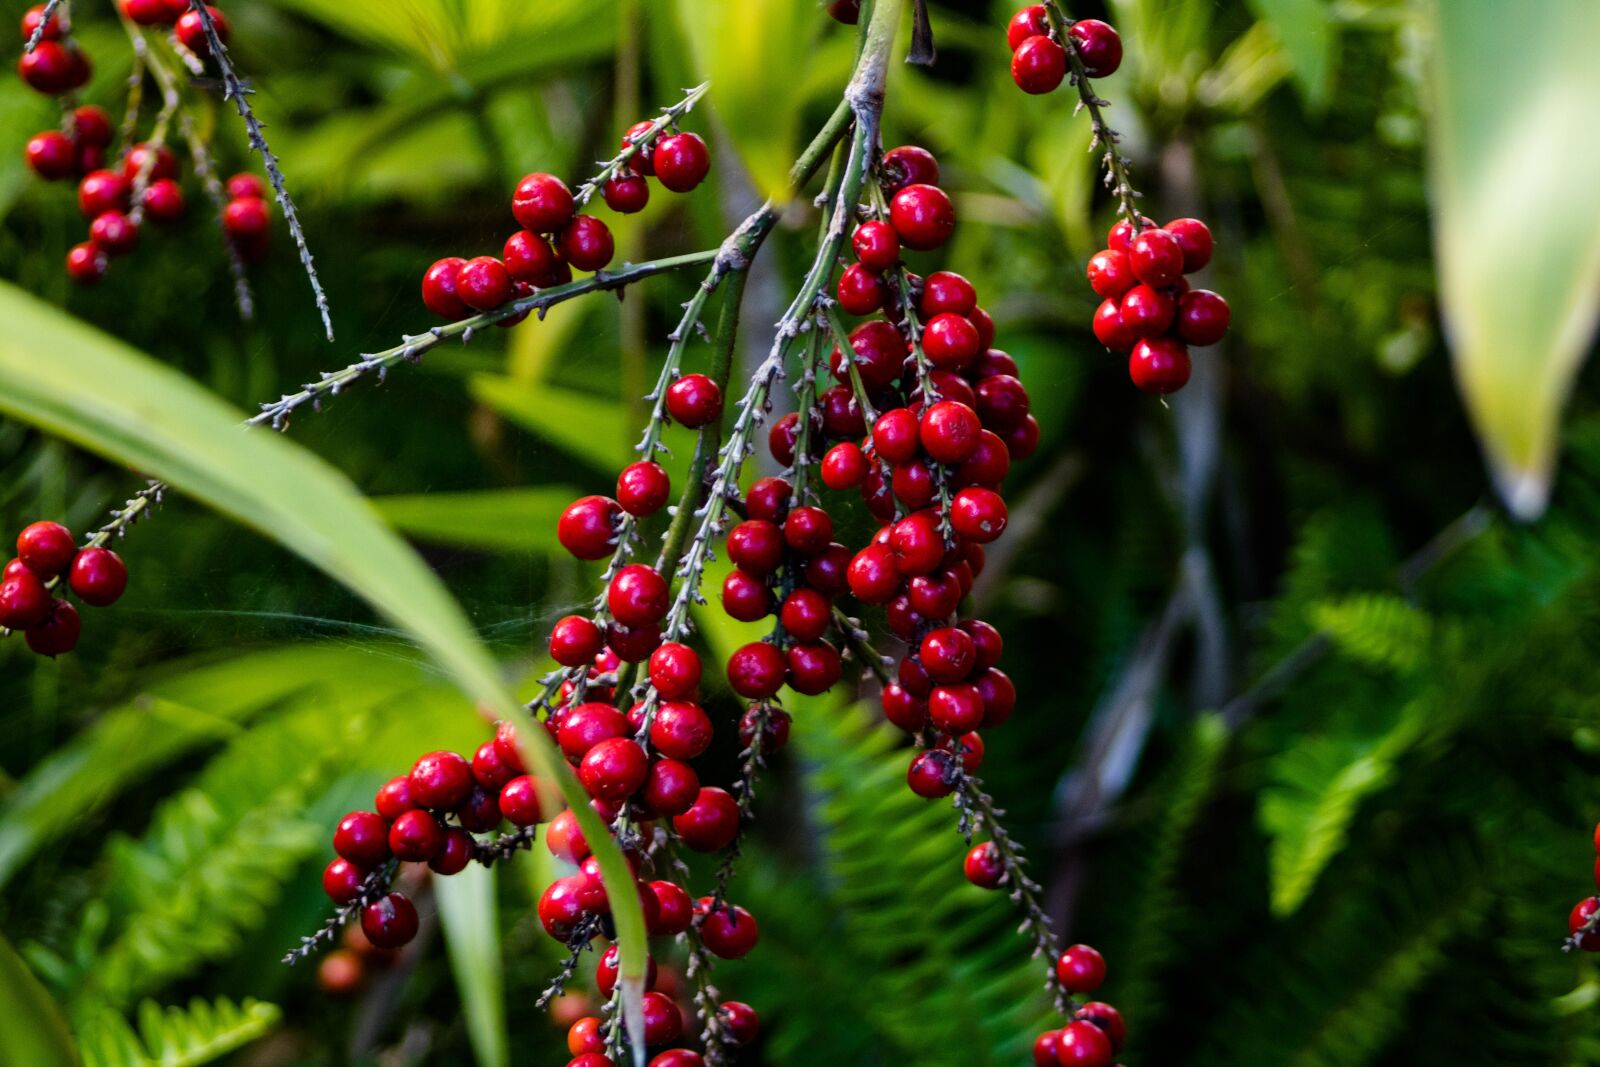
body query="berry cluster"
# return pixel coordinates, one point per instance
(1148, 309)
(1583, 923)
(47, 554)
(188, 30)
(555, 236)
(1039, 61)
(55, 65)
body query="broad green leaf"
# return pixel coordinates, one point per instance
(1306, 30)
(68, 379)
(35, 1034)
(589, 428)
(511, 520)
(1514, 171)
(470, 917)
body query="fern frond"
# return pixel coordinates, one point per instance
(1377, 629)
(174, 1036)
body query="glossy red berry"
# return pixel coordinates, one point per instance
(394, 797)
(1202, 317)
(813, 667)
(1038, 65)
(362, 837)
(680, 729)
(48, 68)
(588, 526)
(114, 232)
(543, 203)
(1110, 273)
(30, 24)
(949, 431)
(978, 514)
(1110, 329)
(873, 575)
(987, 464)
(24, 600)
(483, 283)
(896, 436)
(860, 290)
(806, 614)
(192, 34)
(945, 291)
(755, 546)
(947, 654)
(711, 823)
(245, 184)
(416, 836)
(825, 572)
(844, 466)
(807, 530)
(670, 788)
(740, 1022)
(1083, 1044)
(1098, 45)
(1081, 969)
(626, 193)
(663, 1023)
(1031, 21)
(575, 640)
(440, 780)
(488, 770)
(674, 670)
(390, 921)
(518, 801)
(880, 354)
(1107, 1018)
(876, 245)
(1159, 365)
(529, 258)
(1147, 312)
(639, 162)
(909, 165)
(1579, 917)
(638, 595)
(756, 671)
(932, 774)
(1156, 257)
(341, 880)
(101, 191)
(956, 708)
(439, 289)
(51, 155)
(681, 161)
(773, 727)
(934, 596)
(87, 263)
(613, 769)
(606, 971)
(694, 400)
(1044, 1049)
(158, 158)
(46, 548)
(729, 931)
(146, 12)
(1194, 237)
(57, 633)
(984, 867)
(586, 243)
(922, 216)
(163, 201)
(950, 341)
(745, 597)
(918, 544)
(98, 576)
(561, 907)
(587, 1035)
(247, 218)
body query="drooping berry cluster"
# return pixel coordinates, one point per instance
(1096, 1032)
(55, 65)
(555, 236)
(1039, 60)
(46, 557)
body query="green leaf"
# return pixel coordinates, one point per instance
(35, 1033)
(586, 427)
(1514, 170)
(1376, 628)
(509, 520)
(175, 1037)
(1305, 29)
(469, 915)
(71, 380)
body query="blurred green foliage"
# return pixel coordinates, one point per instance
(1366, 860)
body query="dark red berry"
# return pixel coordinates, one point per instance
(1038, 65)
(1083, 1044)
(932, 774)
(639, 162)
(51, 155)
(670, 787)
(674, 909)
(909, 165)
(454, 855)
(1110, 273)
(606, 972)
(102, 191)
(947, 654)
(987, 464)
(984, 867)
(873, 575)
(680, 729)
(626, 193)
(773, 724)
(542, 203)
(756, 671)
(1159, 365)
(745, 596)
(390, 921)
(439, 289)
(896, 436)
(978, 514)
(245, 184)
(711, 823)
(808, 530)
(87, 263)
(586, 725)
(574, 641)
(1031, 21)
(1080, 969)
(681, 161)
(934, 596)
(1098, 45)
(844, 466)
(861, 291)
(922, 216)
(483, 283)
(1110, 329)
(560, 907)
(586, 243)
(1579, 917)
(1194, 237)
(46, 548)
(729, 931)
(48, 68)
(826, 571)
(904, 709)
(813, 667)
(806, 614)
(674, 670)
(158, 158)
(1045, 1047)
(613, 769)
(1156, 257)
(114, 232)
(362, 837)
(146, 12)
(57, 633)
(755, 546)
(663, 1023)
(24, 600)
(768, 499)
(740, 1021)
(880, 354)
(248, 218)
(918, 544)
(1108, 1019)
(876, 245)
(440, 780)
(98, 576)
(163, 201)
(192, 35)
(518, 801)
(1147, 312)
(588, 526)
(1202, 317)
(638, 595)
(416, 836)
(341, 880)
(694, 400)
(30, 24)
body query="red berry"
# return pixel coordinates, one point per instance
(909, 165)
(244, 185)
(341, 880)
(1147, 312)
(587, 1035)
(46, 548)
(674, 909)
(1081, 969)
(1031, 21)
(988, 463)
(439, 289)
(729, 931)
(390, 921)
(1110, 274)
(146, 12)
(586, 725)
(527, 257)
(663, 1023)
(774, 733)
(1202, 317)
(1110, 329)
(896, 436)
(48, 68)
(247, 218)
(574, 641)
(57, 633)
(633, 643)
(588, 526)
(586, 243)
(30, 24)
(861, 292)
(542, 203)
(808, 530)
(163, 201)
(98, 576)
(1098, 45)
(639, 162)
(670, 787)
(1107, 1018)
(681, 161)
(1038, 65)
(740, 1021)
(1083, 1044)
(783, 437)
(745, 597)
(680, 729)
(950, 341)
(86, 263)
(159, 158)
(711, 823)
(932, 774)
(873, 575)
(694, 400)
(192, 35)
(440, 780)
(1044, 1049)
(114, 232)
(806, 614)
(949, 431)
(1159, 365)
(934, 596)
(983, 866)
(956, 709)
(844, 466)
(1194, 237)
(877, 246)
(755, 546)
(947, 654)
(51, 155)
(560, 907)
(922, 216)
(1579, 917)
(606, 972)
(614, 769)
(1156, 257)
(946, 291)
(416, 836)
(362, 837)
(756, 671)
(638, 595)
(102, 191)
(674, 670)
(488, 770)
(24, 601)
(917, 543)
(626, 193)
(880, 353)
(905, 710)
(813, 667)
(483, 283)
(978, 514)
(969, 746)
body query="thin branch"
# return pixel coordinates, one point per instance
(44, 20)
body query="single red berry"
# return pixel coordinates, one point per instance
(564, 839)
(947, 654)
(1579, 917)
(527, 257)
(416, 836)
(1107, 1018)
(586, 243)
(984, 867)
(543, 203)
(574, 641)
(1194, 237)
(740, 1021)
(694, 401)
(614, 769)
(674, 670)
(57, 633)
(588, 526)
(729, 931)
(909, 165)
(783, 438)
(918, 544)
(488, 770)
(806, 614)
(92, 126)
(1031, 21)
(880, 354)
(341, 880)
(30, 24)
(626, 193)
(1156, 257)
(158, 158)
(1110, 329)
(606, 971)
(813, 667)
(1081, 969)
(969, 746)
(389, 922)
(681, 161)
(1038, 65)
(586, 725)
(861, 291)
(87, 263)
(362, 837)
(932, 774)
(1083, 1044)
(950, 341)
(102, 191)
(846, 11)
(638, 595)
(987, 464)
(587, 1035)
(639, 162)
(987, 643)
(755, 546)
(46, 548)
(978, 514)
(844, 466)
(48, 68)
(1120, 236)
(1098, 45)
(896, 436)
(247, 218)
(663, 1023)
(904, 709)
(934, 596)
(946, 291)
(711, 823)
(808, 530)
(394, 797)
(163, 201)
(1110, 274)
(244, 185)
(922, 216)
(745, 596)
(146, 12)
(674, 909)
(826, 571)
(98, 576)
(873, 575)
(877, 246)
(440, 780)
(1159, 365)
(518, 801)
(756, 671)
(1202, 317)
(1147, 312)
(454, 854)
(1044, 1049)
(192, 34)
(956, 709)
(949, 431)
(772, 723)
(114, 232)
(681, 730)
(561, 908)
(439, 288)
(51, 155)
(24, 600)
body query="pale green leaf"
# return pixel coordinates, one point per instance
(510, 520)
(470, 918)
(587, 427)
(1306, 31)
